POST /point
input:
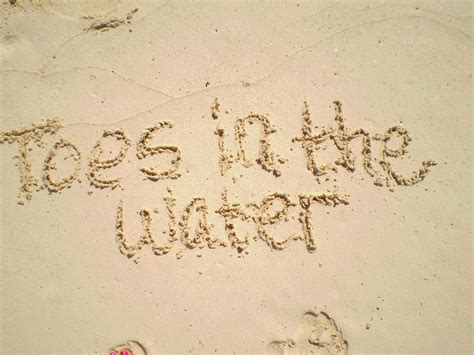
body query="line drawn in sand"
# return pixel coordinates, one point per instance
(318, 334)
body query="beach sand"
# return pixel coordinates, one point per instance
(236, 177)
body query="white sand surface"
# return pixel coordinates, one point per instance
(236, 177)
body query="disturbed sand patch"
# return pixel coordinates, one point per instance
(317, 334)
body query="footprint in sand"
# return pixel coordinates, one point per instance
(318, 334)
(81, 8)
(131, 347)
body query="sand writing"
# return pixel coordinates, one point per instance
(49, 165)
(96, 163)
(202, 236)
(144, 150)
(341, 137)
(272, 210)
(267, 159)
(24, 137)
(332, 199)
